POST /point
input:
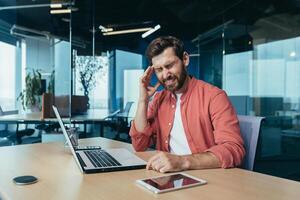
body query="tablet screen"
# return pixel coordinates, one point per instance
(170, 182)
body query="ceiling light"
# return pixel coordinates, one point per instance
(56, 5)
(127, 31)
(60, 11)
(293, 54)
(65, 20)
(52, 5)
(104, 29)
(152, 30)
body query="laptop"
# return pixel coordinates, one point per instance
(101, 160)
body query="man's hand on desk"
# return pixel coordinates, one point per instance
(166, 162)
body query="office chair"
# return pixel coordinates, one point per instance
(118, 122)
(250, 128)
(6, 136)
(15, 137)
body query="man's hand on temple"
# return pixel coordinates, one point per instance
(146, 90)
(166, 162)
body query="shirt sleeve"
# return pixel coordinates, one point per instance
(229, 147)
(142, 140)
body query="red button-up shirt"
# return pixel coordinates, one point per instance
(209, 120)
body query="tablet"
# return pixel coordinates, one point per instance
(170, 182)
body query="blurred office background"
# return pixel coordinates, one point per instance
(249, 48)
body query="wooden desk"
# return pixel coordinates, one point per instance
(60, 178)
(93, 116)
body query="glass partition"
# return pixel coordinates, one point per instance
(104, 80)
(35, 54)
(90, 74)
(257, 63)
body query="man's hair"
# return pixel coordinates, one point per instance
(158, 45)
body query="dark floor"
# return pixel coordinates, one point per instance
(280, 166)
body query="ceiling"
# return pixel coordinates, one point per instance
(185, 19)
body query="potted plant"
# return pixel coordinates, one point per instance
(31, 96)
(87, 67)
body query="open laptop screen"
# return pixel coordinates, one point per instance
(72, 136)
(70, 140)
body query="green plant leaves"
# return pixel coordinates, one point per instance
(30, 96)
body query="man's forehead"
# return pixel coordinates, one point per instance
(165, 58)
(163, 62)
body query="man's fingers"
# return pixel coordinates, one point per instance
(147, 75)
(148, 72)
(157, 164)
(149, 163)
(164, 169)
(148, 166)
(151, 160)
(148, 69)
(163, 162)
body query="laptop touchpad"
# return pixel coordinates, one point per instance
(125, 157)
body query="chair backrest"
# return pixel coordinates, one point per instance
(127, 107)
(250, 127)
(1, 111)
(2, 127)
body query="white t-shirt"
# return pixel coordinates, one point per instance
(178, 142)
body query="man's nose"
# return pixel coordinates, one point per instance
(166, 73)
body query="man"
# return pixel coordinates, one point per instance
(192, 122)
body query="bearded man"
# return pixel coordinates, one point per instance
(192, 123)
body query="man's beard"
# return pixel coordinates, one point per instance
(179, 81)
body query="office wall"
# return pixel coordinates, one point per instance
(237, 76)
(211, 62)
(124, 60)
(39, 54)
(131, 88)
(112, 102)
(7, 76)
(269, 77)
(193, 68)
(62, 64)
(18, 74)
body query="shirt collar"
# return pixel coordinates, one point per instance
(188, 89)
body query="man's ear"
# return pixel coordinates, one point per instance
(186, 59)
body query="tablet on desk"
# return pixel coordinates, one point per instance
(170, 182)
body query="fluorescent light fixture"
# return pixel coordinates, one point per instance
(51, 5)
(293, 54)
(152, 30)
(56, 5)
(104, 29)
(127, 31)
(60, 11)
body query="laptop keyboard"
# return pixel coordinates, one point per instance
(100, 158)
